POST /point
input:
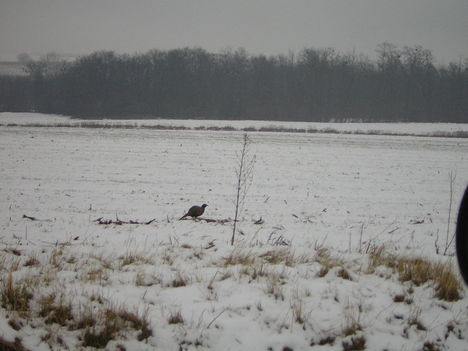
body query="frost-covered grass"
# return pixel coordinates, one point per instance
(344, 257)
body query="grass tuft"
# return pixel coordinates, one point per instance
(55, 312)
(11, 346)
(356, 343)
(114, 322)
(15, 297)
(175, 318)
(136, 258)
(274, 286)
(448, 287)
(179, 280)
(419, 271)
(344, 274)
(238, 257)
(31, 261)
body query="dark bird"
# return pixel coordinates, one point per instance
(194, 211)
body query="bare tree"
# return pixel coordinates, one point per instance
(244, 173)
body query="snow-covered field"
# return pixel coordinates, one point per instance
(299, 280)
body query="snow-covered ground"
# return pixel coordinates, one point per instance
(325, 200)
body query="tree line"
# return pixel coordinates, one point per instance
(400, 85)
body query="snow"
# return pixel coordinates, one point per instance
(340, 192)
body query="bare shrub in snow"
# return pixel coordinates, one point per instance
(244, 173)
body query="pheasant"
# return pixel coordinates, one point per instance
(195, 211)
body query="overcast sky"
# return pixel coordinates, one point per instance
(259, 26)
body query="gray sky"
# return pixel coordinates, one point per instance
(259, 26)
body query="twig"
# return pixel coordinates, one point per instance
(215, 318)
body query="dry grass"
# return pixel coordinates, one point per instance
(55, 310)
(15, 297)
(414, 319)
(140, 279)
(238, 257)
(105, 261)
(32, 261)
(48, 274)
(254, 271)
(448, 286)
(9, 262)
(286, 257)
(356, 343)
(416, 270)
(71, 259)
(15, 324)
(12, 251)
(344, 274)
(180, 280)
(97, 325)
(101, 322)
(274, 284)
(11, 346)
(175, 318)
(298, 311)
(274, 257)
(352, 319)
(112, 323)
(84, 320)
(56, 258)
(97, 275)
(136, 258)
(419, 271)
(327, 262)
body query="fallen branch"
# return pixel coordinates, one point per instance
(36, 219)
(31, 218)
(210, 245)
(120, 222)
(416, 221)
(261, 221)
(210, 220)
